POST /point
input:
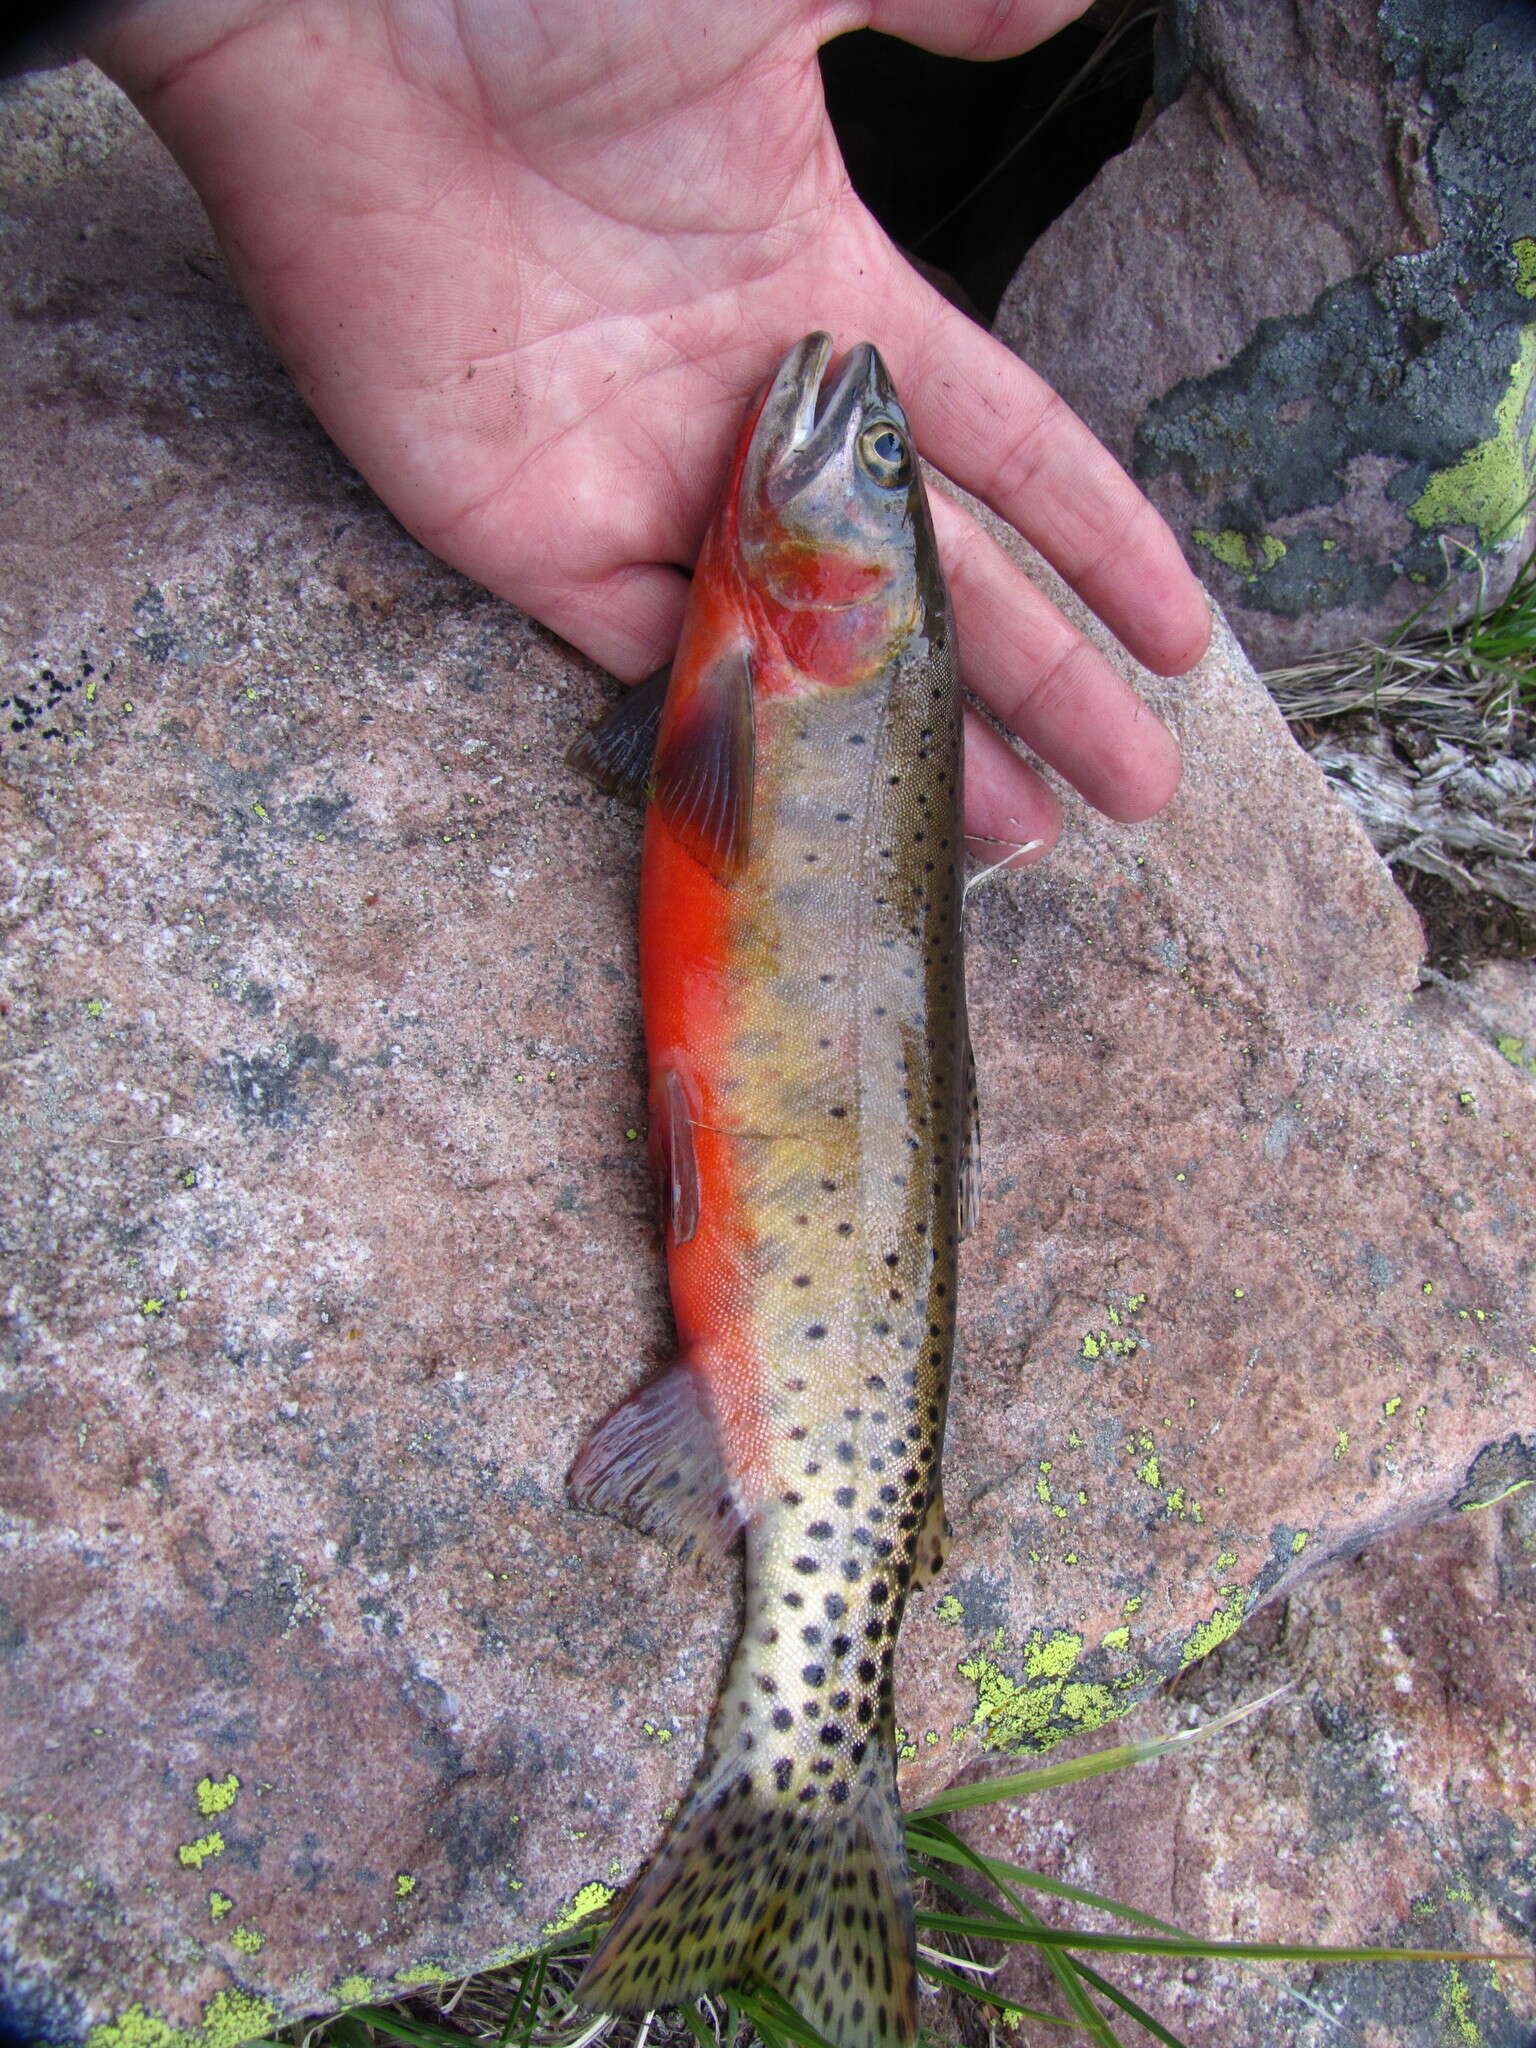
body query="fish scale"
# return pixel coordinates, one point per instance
(812, 1117)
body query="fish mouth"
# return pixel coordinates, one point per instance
(804, 421)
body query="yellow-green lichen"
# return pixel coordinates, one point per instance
(135, 2028)
(1456, 2009)
(1090, 1706)
(248, 1940)
(405, 1884)
(1523, 249)
(949, 1610)
(1052, 1656)
(355, 1990)
(193, 1855)
(233, 2017)
(1514, 1050)
(1150, 1473)
(426, 1973)
(592, 1898)
(1013, 1714)
(1491, 485)
(1226, 1621)
(217, 1795)
(1118, 1639)
(1298, 1542)
(218, 1905)
(1249, 556)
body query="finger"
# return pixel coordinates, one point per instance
(627, 620)
(1011, 811)
(990, 423)
(1049, 683)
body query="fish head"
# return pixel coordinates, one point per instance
(831, 523)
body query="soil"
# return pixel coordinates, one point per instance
(1461, 929)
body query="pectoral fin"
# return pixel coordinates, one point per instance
(932, 1551)
(673, 1154)
(619, 751)
(704, 763)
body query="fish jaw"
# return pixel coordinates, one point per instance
(824, 538)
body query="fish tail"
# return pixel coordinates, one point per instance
(758, 1883)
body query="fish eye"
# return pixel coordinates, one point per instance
(883, 454)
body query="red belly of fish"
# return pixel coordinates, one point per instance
(685, 983)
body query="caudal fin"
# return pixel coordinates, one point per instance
(755, 1884)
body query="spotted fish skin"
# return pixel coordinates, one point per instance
(804, 996)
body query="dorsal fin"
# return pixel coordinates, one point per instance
(619, 751)
(705, 761)
(970, 1145)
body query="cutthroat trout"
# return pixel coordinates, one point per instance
(813, 1123)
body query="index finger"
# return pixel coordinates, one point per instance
(985, 419)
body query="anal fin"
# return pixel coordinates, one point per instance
(655, 1463)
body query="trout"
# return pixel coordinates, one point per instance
(812, 1116)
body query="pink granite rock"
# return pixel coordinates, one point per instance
(327, 1231)
(1388, 1799)
(1296, 308)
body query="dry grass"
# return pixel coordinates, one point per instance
(1431, 740)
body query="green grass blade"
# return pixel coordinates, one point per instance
(530, 1989)
(1073, 1990)
(1031, 1880)
(348, 2031)
(954, 1981)
(946, 1881)
(693, 2021)
(1024, 1784)
(766, 2007)
(1187, 1945)
(404, 2027)
(1130, 2008)
(1062, 1967)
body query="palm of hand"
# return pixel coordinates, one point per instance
(527, 264)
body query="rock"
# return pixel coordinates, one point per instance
(328, 1232)
(1386, 1800)
(1299, 307)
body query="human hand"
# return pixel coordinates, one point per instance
(528, 261)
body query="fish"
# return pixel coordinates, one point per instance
(812, 1111)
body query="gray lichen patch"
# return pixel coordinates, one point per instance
(1426, 362)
